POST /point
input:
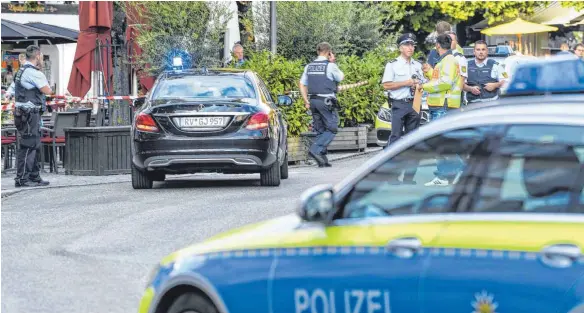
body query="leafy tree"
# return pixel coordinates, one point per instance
(191, 26)
(423, 15)
(351, 27)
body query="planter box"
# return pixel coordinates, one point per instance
(98, 151)
(297, 149)
(372, 137)
(350, 138)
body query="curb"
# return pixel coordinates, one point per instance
(14, 191)
(351, 156)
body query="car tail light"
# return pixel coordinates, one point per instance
(145, 122)
(258, 121)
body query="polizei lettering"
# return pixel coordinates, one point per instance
(316, 68)
(349, 301)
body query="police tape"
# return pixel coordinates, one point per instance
(66, 100)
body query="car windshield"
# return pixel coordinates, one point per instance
(204, 87)
(515, 168)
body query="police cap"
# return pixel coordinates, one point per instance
(406, 38)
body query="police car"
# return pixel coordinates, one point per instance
(216, 120)
(556, 75)
(507, 237)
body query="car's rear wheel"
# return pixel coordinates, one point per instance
(140, 180)
(284, 168)
(192, 302)
(271, 176)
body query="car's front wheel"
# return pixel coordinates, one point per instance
(271, 176)
(192, 302)
(140, 180)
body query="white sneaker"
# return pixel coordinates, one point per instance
(437, 182)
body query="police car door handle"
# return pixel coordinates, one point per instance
(560, 255)
(405, 247)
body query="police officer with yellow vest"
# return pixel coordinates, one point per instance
(444, 94)
(318, 86)
(30, 88)
(444, 88)
(485, 76)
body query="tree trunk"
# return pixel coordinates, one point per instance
(244, 17)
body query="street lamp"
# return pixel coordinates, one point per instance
(273, 26)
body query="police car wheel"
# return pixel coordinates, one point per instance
(140, 180)
(271, 176)
(192, 303)
(284, 168)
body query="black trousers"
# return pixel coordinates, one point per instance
(403, 119)
(325, 122)
(27, 124)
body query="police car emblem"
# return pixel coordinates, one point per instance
(484, 303)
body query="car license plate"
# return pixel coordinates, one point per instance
(202, 122)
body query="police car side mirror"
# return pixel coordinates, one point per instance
(316, 203)
(284, 100)
(138, 102)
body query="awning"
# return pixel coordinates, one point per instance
(556, 14)
(13, 31)
(63, 31)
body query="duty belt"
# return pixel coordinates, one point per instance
(404, 100)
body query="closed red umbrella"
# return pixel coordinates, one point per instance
(95, 23)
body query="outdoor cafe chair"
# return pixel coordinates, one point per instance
(56, 138)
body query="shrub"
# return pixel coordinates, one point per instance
(358, 105)
(282, 77)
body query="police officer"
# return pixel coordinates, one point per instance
(485, 76)
(30, 88)
(318, 86)
(442, 27)
(401, 78)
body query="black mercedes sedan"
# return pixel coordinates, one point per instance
(221, 120)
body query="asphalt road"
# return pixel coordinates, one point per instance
(89, 249)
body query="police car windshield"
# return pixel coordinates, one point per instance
(204, 88)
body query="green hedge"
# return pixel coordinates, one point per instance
(358, 105)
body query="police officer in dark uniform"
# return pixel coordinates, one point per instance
(485, 76)
(30, 88)
(401, 78)
(318, 86)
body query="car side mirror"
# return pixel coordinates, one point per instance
(284, 100)
(138, 102)
(316, 203)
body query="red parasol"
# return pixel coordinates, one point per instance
(95, 23)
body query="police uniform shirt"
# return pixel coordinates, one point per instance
(333, 72)
(399, 70)
(33, 78)
(462, 65)
(497, 72)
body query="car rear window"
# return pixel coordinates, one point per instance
(204, 87)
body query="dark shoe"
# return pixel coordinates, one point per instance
(326, 161)
(27, 183)
(40, 181)
(318, 159)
